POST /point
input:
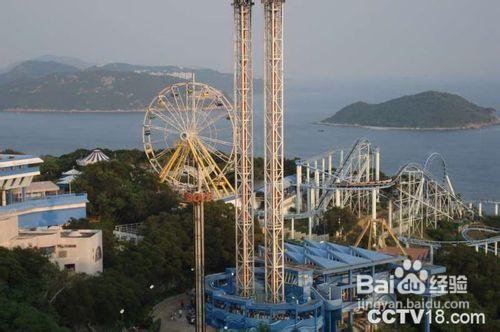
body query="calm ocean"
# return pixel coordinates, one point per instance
(473, 156)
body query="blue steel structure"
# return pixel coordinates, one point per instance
(320, 289)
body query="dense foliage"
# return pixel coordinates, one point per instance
(429, 109)
(483, 277)
(341, 224)
(27, 283)
(33, 291)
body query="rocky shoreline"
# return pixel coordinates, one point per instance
(471, 126)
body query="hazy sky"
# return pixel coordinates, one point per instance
(334, 38)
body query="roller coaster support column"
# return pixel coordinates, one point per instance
(323, 171)
(298, 195)
(374, 203)
(496, 209)
(293, 228)
(309, 198)
(316, 183)
(496, 248)
(377, 169)
(308, 190)
(309, 227)
(337, 198)
(330, 166)
(480, 208)
(390, 213)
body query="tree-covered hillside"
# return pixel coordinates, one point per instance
(427, 110)
(48, 85)
(85, 90)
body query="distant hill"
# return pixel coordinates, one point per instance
(84, 90)
(223, 81)
(67, 60)
(49, 85)
(29, 70)
(426, 110)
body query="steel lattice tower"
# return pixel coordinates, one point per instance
(273, 157)
(243, 98)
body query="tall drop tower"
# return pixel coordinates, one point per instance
(243, 98)
(273, 156)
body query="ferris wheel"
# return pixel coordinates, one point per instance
(188, 138)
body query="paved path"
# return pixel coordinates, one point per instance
(172, 304)
(163, 310)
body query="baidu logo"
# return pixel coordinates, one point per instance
(411, 282)
(407, 279)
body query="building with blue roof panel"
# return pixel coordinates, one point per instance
(320, 287)
(40, 209)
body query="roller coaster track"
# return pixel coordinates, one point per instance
(420, 199)
(424, 201)
(468, 241)
(358, 166)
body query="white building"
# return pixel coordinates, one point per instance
(16, 173)
(31, 214)
(75, 250)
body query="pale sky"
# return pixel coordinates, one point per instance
(324, 38)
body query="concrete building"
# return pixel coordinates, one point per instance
(75, 250)
(31, 214)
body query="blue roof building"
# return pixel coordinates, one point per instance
(321, 283)
(16, 175)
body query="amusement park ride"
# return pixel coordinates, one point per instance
(182, 139)
(416, 198)
(193, 137)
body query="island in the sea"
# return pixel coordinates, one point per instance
(427, 110)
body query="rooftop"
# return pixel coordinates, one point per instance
(65, 233)
(79, 233)
(327, 257)
(47, 202)
(40, 186)
(9, 160)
